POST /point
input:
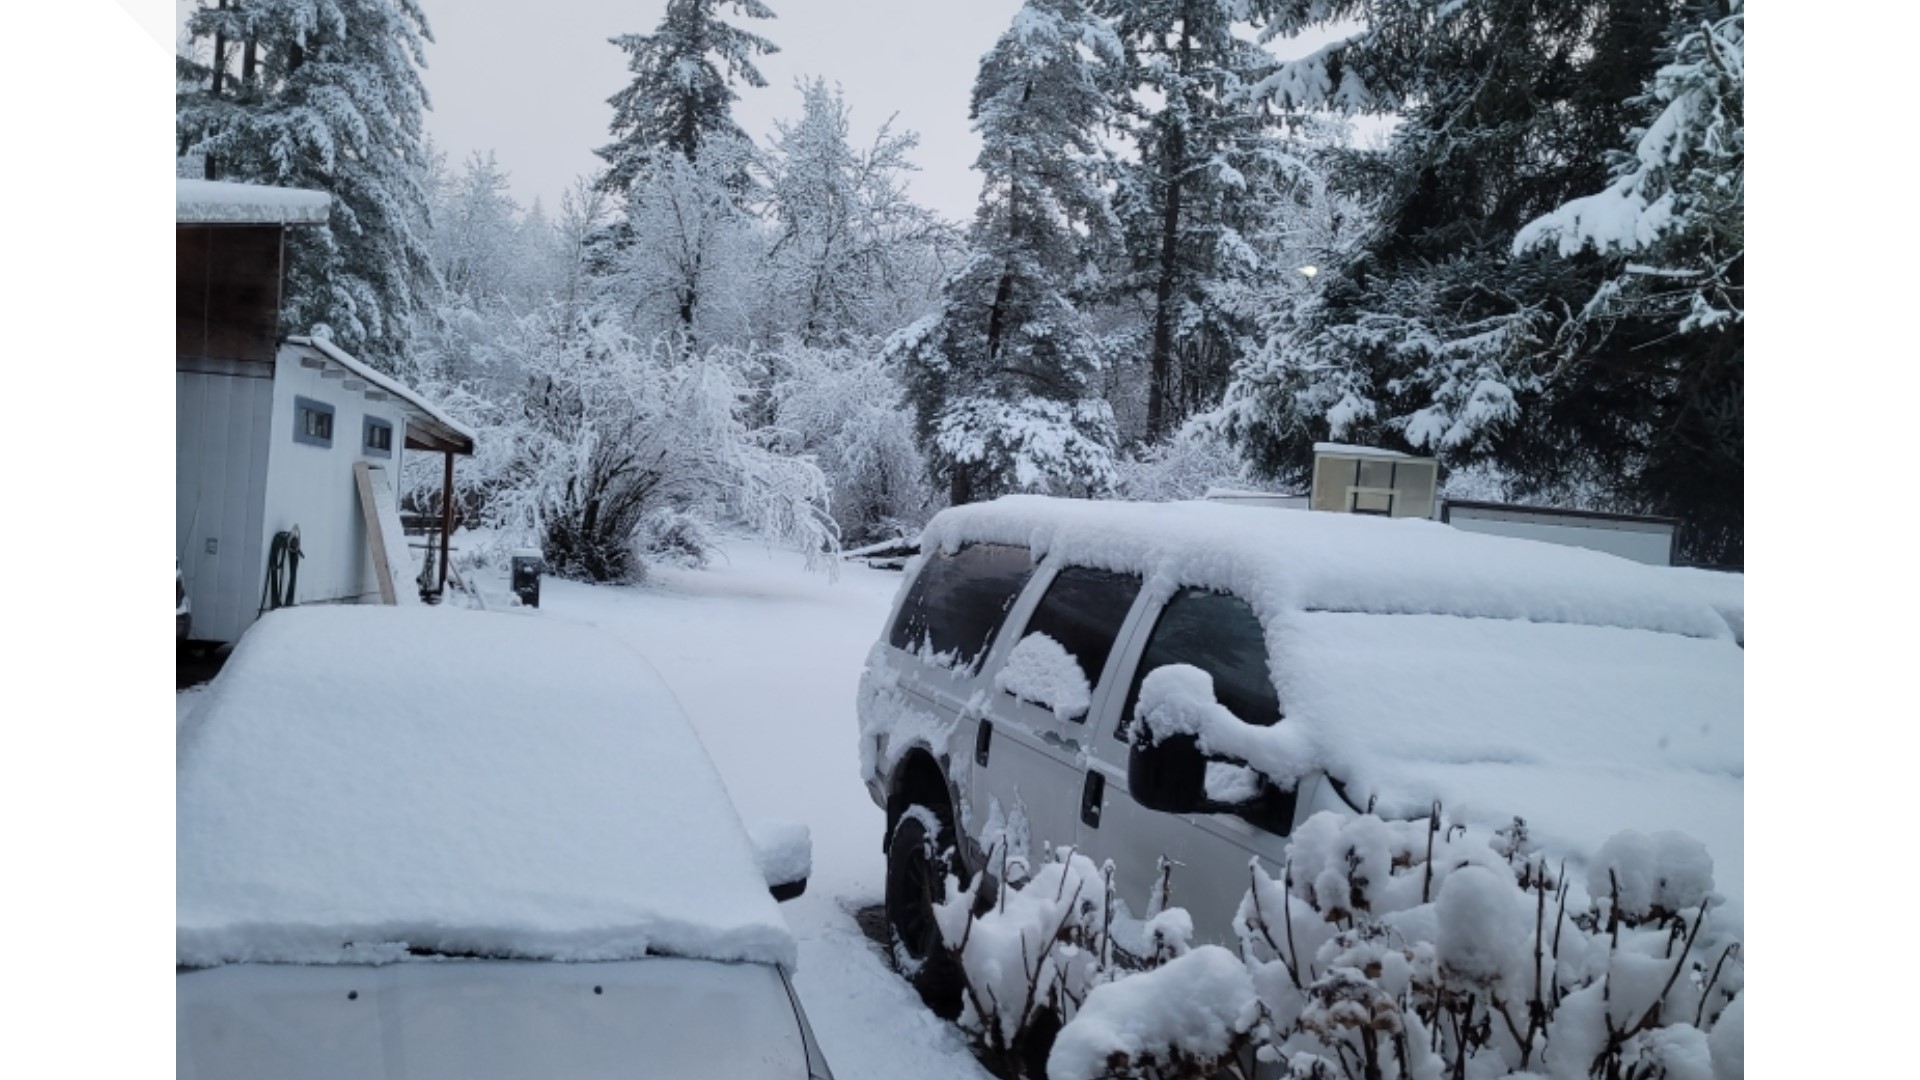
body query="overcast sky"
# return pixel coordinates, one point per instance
(530, 81)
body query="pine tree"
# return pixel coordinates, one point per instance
(1670, 228)
(680, 98)
(324, 94)
(1206, 173)
(1001, 377)
(1432, 335)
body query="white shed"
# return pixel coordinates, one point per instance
(271, 433)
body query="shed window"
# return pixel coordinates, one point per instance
(379, 438)
(312, 422)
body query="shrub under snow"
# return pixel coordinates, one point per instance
(1392, 949)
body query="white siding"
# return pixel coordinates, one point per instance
(1642, 541)
(313, 488)
(220, 479)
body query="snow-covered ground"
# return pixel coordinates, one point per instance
(765, 657)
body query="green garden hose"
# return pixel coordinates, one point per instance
(283, 561)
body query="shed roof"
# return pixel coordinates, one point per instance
(1350, 450)
(220, 202)
(428, 428)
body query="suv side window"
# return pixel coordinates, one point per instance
(1219, 634)
(1083, 610)
(957, 601)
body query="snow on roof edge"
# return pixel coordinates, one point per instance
(392, 386)
(222, 202)
(1363, 451)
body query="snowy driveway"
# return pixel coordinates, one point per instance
(764, 657)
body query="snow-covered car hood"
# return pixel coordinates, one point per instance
(365, 781)
(479, 1020)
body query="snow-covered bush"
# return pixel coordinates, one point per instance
(1408, 949)
(617, 451)
(1028, 956)
(1197, 458)
(672, 536)
(1032, 444)
(842, 405)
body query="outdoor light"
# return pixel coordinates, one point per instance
(1309, 270)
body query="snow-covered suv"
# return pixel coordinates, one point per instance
(1188, 682)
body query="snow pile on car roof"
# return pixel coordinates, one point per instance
(1725, 591)
(362, 781)
(1337, 562)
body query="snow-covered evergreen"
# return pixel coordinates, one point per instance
(1196, 194)
(324, 94)
(1498, 310)
(1001, 377)
(681, 96)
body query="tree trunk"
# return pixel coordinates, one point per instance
(997, 317)
(1173, 165)
(1161, 359)
(960, 491)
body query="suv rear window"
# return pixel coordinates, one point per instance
(1083, 610)
(957, 602)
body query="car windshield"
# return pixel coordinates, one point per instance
(477, 1020)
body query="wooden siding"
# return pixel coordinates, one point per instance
(227, 291)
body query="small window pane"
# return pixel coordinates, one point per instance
(1368, 502)
(378, 441)
(957, 602)
(1083, 610)
(1375, 474)
(1331, 479)
(312, 422)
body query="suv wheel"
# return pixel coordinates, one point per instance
(917, 865)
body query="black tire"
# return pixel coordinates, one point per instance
(1037, 1044)
(917, 868)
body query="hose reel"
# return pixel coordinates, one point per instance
(283, 571)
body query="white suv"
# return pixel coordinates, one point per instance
(1354, 662)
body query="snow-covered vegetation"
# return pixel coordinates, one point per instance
(1184, 270)
(1383, 949)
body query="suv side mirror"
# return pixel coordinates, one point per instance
(1173, 774)
(784, 851)
(1170, 776)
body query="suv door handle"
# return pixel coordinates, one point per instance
(1090, 794)
(982, 743)
(1071, 746)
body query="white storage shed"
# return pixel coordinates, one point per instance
(274, 434)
